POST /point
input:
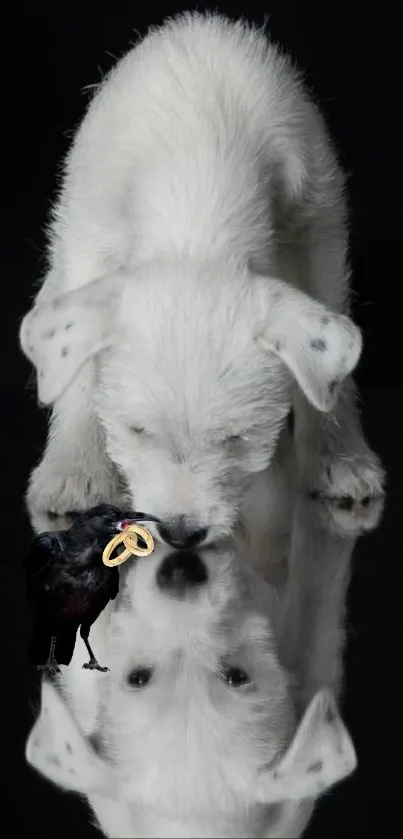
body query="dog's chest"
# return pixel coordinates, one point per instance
(117, 818)
(268, 514)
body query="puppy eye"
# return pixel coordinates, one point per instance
(139, 678)
(235, 677)
(137, 429)
(233, 440)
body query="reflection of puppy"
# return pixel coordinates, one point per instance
(194, 724)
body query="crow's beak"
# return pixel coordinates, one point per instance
(132, 518)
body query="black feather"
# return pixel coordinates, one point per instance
(69, 586)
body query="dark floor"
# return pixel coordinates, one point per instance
(367, 804)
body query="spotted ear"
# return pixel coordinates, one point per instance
(59, 750)
(319, 347)
(60, 335)
(320, 755)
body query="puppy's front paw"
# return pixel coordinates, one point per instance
(58, 490)
(54, 497)
(350, 490)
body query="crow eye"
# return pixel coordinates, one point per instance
(235, 677)
(140, 677)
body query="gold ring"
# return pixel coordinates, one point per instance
(129, 538)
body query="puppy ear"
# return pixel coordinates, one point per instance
(58, 750)
(320, 755)
(60, 335)
(319, 347)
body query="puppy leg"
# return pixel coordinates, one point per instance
(312, 626)
(75, 472)
(336, 467)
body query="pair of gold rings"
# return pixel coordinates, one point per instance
(129, 537)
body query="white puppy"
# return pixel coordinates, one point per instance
(193, 732)
(197, 290)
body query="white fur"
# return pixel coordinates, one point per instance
(198, 288)
(201, 174)
(187, 755)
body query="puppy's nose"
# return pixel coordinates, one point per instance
(180, 573)
(179, 534)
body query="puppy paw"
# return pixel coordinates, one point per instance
(59, 489)
(350, 491)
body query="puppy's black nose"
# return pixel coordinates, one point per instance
(180, 573)
(179, 534)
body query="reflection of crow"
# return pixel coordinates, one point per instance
(69, 585)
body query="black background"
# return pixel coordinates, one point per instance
(350, 53)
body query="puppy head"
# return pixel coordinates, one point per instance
(195, 372)
(196, 724)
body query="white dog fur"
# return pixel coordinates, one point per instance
(187, 755)
(197, 290)
(198, 287)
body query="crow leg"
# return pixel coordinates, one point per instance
(92, 664)
(51, 667)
